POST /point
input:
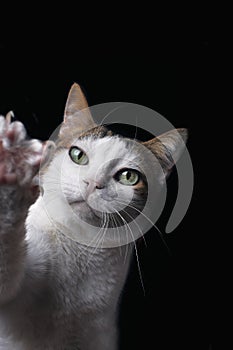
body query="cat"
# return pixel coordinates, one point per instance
(55, 292)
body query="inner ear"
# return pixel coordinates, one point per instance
(76, 101)
(77, 116)
(168, 147)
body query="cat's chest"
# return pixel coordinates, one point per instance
(86, 279)
(79, 279)
(79, 288)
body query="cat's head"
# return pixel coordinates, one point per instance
(103, 176)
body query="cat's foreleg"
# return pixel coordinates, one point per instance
(98, 332)
(19, 161)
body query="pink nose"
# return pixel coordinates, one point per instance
(92, 185)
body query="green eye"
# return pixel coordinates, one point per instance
(78, 156)
(128, 177)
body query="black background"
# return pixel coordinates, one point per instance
(170, 73)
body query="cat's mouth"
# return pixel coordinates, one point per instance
(84, 210)
(97, 218)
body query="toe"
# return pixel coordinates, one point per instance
(16, 133)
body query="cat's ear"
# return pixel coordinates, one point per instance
(168, 147)
(77, 116)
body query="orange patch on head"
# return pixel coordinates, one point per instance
(140, 186)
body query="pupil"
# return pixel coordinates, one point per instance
(128, 176)
(80, 155)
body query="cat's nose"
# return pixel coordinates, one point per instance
(92, 185)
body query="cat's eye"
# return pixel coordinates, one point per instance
(78, 156)
(128, 177)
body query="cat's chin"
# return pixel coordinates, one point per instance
(85, 212)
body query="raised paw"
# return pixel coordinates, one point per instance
(20, 158)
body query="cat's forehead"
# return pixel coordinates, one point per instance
(102, 144)
(107, 146)
(111, 152)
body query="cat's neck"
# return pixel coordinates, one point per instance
(42, 231)
(38, 216)
(41, 222)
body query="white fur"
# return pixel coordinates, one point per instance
(55, 292)
(66, 295)
(106, 157)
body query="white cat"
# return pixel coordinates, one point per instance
(56, 293)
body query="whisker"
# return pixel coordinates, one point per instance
(150, 221)
(136, 130)
(136, 251)
(119, 237)
(142, 235)
(126, 252)
(112, 111)
(127, 244)
(103, 219)
(105, 231)
(101, 235)
(92, 251)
